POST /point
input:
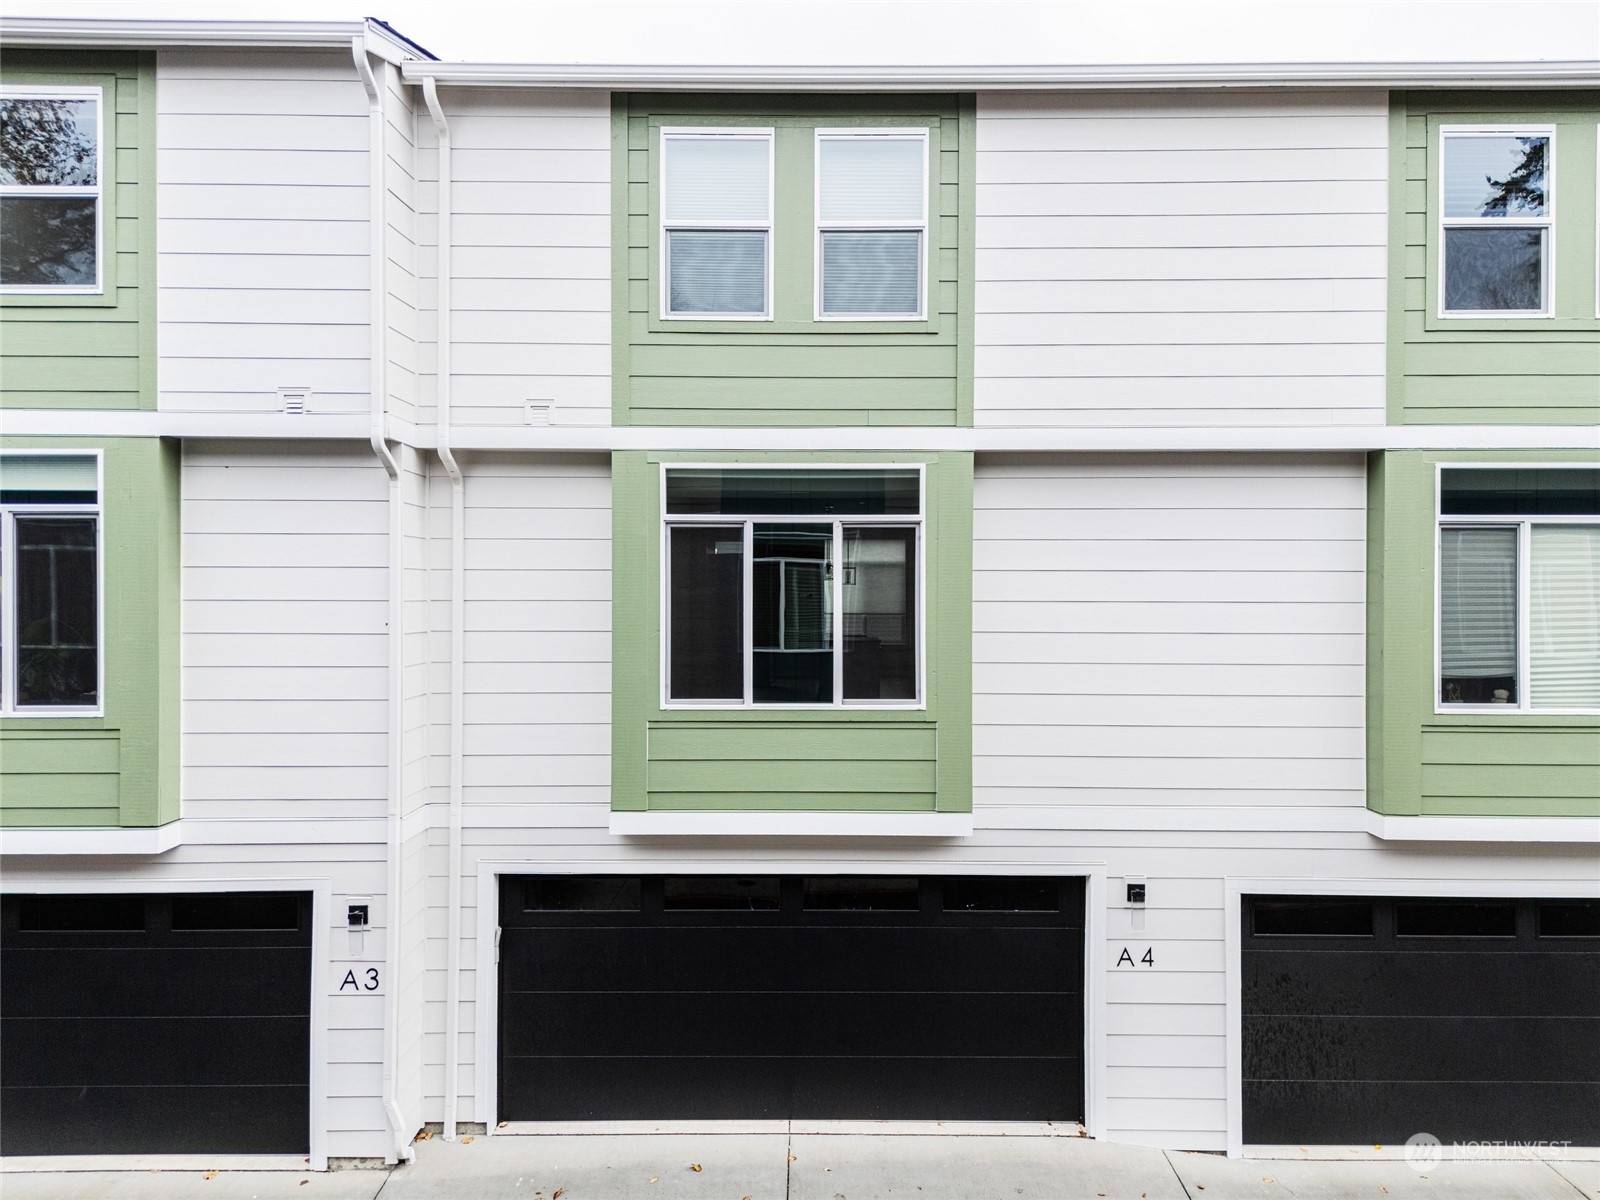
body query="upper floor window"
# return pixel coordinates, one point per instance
(1497, 217)
(793, 586)
(49, 584)
(716, 223)
(1519, 588)
(51, 175)
(872, 222)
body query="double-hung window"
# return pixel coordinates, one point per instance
(793, 586)
(1497, 216)
(1519, 589)
(51, 174)
(716, 223)
(50, 660)
(872, 223)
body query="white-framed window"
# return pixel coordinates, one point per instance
(871, 208)
(52, 169)
(792, 586)
(1519, 589)
(1496, 220)
(716, 223)
(51, 625)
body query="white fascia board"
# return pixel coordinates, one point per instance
(153, 840)
(667, 77)
(791, 824)
(993, 440)
(1549, 830)
(121, 34)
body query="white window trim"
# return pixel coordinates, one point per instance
(1524, 526)
(920, 225)
(748, 521)
(97, 189)
(664, 226)
(1546, 223)
(8, 582)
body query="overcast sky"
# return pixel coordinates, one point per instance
(931, 31)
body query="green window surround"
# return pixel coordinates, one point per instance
(787, 364)
(908, 753)
(1515, 369)
(1423, 759)
(93, 350)
(118, 768)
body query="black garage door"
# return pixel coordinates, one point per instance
(1367, 1021)
(155, 1024)
(763, 997)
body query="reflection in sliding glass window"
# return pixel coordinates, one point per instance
(793, 586)
(50, 599)
(1519, 589)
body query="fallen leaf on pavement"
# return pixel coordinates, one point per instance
(694, 1167)
(558, 1193)
(466, 1141)
(303, 1182)
(791, 1158)
(652, 1179)
(209, 1175)
(1266, 1179)
(1377, 1147)
(424, 1135)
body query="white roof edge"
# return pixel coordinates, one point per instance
(83, 31)
(1573, 73)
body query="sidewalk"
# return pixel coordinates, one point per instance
(782, 1163)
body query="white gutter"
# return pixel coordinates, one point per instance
(458, 614)
(378, 283)
(668, 77)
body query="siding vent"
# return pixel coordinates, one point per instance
(539, 412)
(294, 400)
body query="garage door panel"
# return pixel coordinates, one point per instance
(717, 958)
(155, 1051)
(150, 982)
(1387, 1113)
(1459, 1048)
(693, 1088)
(132, 1120)
(761, 1024)
(155, 1023)
(1398, 982)
(1403, 1017)
(810, 1002)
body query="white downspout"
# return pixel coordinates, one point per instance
(378, 283)
(458, 610)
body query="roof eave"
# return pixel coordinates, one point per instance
(122, 34)
(1584, 73)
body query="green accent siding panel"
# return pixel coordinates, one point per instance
(792, 370)
(764, 759)
(120, 768)
(1513, 371)
(1425, 763)
(94, 352)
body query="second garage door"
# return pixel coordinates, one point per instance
(719, 997)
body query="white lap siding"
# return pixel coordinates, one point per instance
(1181, 259)
(262, 230)
(284, 707)
(531, 254)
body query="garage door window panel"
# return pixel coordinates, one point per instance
(1519, 590)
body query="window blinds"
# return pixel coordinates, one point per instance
(717, 179)
(1564, 616)
(870, 179)
(1477, 603)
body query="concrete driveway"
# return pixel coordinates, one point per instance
(779, 1161)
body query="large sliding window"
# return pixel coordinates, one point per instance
(1519, 589)
(50, 594)
(793, 586)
